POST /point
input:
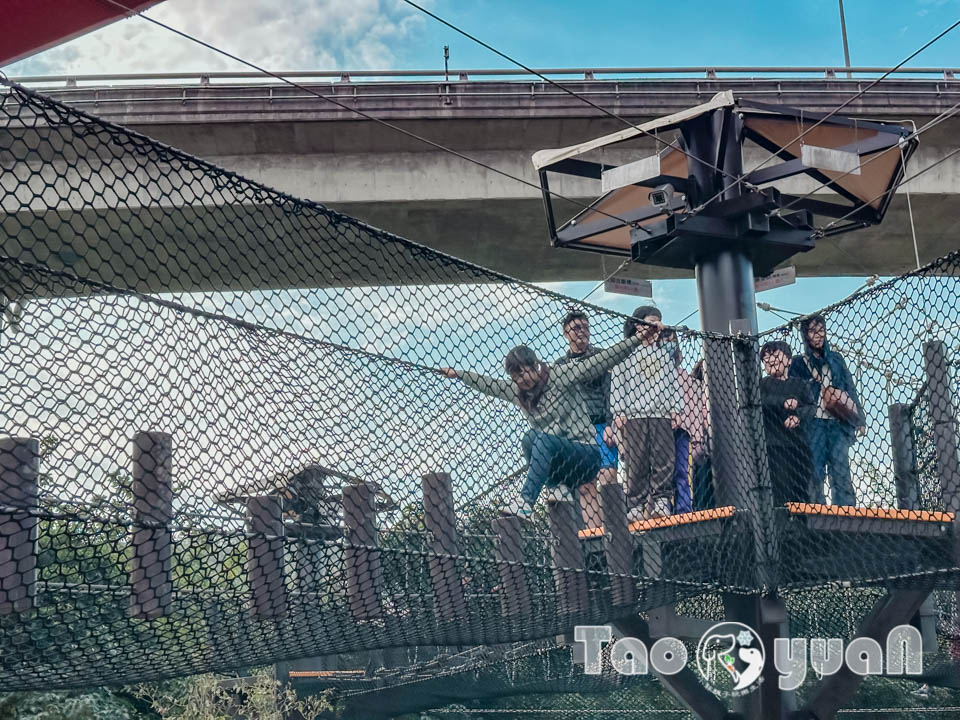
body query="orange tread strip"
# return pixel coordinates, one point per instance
(667, 521)
(796, 508)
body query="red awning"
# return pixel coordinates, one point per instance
(30, 26)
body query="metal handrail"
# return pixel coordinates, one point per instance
(204, 78)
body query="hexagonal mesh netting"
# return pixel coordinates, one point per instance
(241, 427)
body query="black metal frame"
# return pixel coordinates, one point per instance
(743, 219)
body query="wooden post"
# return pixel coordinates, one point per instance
(567, 553)
(944, 417)
(837, 690)
(617, 545)
(152, 542)
(19, 467)
(440, 520)
(265, 550)
(904, 457)
(364, 572)
(514, 590)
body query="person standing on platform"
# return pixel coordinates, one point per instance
(576, 331)
(788, 410)
(644, 395)
(687, 425)
(560, 447)
(838, 417)
(703, 497)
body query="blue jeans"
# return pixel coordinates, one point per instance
(681, 472)
(830, 447)
(554, 460)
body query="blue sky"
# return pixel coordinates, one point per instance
(569, 33)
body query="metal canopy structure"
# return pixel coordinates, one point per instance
(666, 209)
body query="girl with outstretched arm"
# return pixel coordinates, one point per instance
(560, 446)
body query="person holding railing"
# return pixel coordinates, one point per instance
(560, 446)
(596, 391)
(644, 395)
(838, 417)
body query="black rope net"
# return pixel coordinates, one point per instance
(547, 678)
(241, 428)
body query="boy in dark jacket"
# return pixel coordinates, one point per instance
(838, 416)
(788, 409)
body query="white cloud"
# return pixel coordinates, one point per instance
(293, 35)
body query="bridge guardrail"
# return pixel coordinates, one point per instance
(345, 76)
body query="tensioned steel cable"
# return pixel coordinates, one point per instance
(567, 90)
(890, 191)
(128, 11)
(945, 115)
(822, 120)
(737, 180)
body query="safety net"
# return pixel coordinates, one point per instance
(239, 428)
(549, 677)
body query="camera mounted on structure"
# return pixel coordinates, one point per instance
(692, 197)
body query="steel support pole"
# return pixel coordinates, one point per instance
(725, 288)
(726, 295)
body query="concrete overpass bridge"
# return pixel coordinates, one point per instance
(288, 138)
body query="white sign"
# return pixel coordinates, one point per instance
(628, 286)
(830, 159)
(778, 278)
(630, 173)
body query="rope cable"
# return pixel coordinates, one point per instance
(822, 120)
(368, 116)
(567, 90)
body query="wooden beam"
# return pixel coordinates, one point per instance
(836, 691)
(441, 522)
(904, 457)
(265, 557)
(19, 469)
(514, 591)
(685, 686)
(362, 558)
(944, 417)
(567, 554)
(617, 545)
(152, 541)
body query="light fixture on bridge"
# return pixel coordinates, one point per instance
(645, 207)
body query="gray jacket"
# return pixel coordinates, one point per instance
(563, 410)
(646, 385)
